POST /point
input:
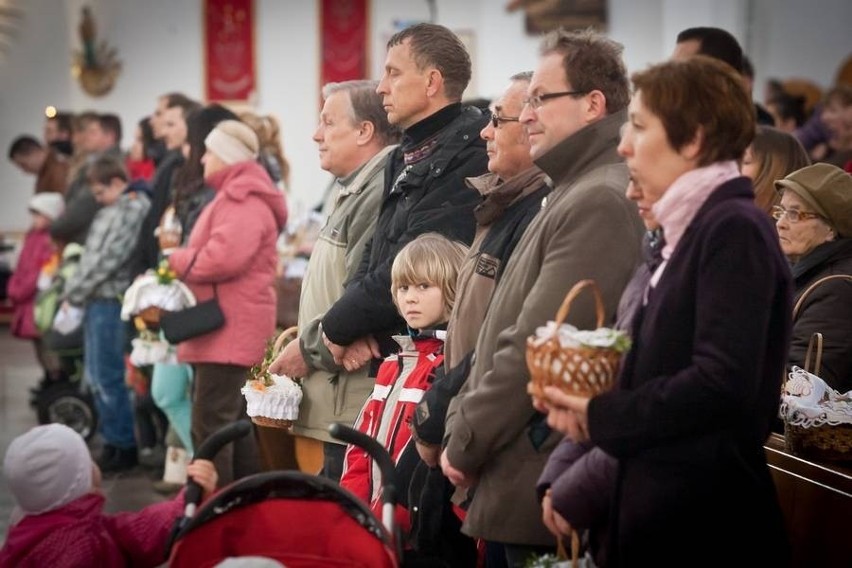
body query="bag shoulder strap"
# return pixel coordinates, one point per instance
(813, 286)
(188, 268)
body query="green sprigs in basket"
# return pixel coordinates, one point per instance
(165, 275)
(260, 372)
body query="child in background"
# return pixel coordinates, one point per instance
(423, 286)
(23, 285)
(59, 519)
(104, 274)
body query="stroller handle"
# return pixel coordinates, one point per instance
(210, 447)
(376, 451)
(206, 451)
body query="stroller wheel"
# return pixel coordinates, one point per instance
(64, 403)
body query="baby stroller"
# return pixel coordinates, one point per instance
(300, 520)
(66, 401)
(69, 402)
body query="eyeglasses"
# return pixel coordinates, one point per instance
(792, 215)
(538, 100)
(496, 121)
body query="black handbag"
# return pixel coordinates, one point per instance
(201, 318)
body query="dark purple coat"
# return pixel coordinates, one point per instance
(697, 397)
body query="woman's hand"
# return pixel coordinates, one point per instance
(555, 523)
(565, 413)
(203, 472)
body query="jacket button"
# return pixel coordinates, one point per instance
(465, 137)
(438, 170)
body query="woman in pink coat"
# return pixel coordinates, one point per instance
(231, 252)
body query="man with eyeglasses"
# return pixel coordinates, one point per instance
(513, 191)
(495, 440)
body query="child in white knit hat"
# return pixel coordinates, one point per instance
(59, 518)
(37, 249)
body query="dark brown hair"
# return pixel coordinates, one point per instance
(778, 154)
(104, 169)
(592, 62)
(716, 43)
(435, 46)
(700, 93)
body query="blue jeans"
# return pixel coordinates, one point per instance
(103, 360)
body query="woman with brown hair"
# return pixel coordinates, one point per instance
(772, 155)
(698, 391)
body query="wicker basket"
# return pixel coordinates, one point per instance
(584, 371)
(283, 339)
(271, 422)
(827, 442)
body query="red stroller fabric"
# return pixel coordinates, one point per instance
(298, 532)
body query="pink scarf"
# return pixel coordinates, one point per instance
(678, 206)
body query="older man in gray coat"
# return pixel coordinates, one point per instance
(354, 140)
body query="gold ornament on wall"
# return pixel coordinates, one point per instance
(10, 18)
(96, 66)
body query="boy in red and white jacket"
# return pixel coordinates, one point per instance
(423, 284)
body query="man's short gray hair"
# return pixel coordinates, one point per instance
(366, 106)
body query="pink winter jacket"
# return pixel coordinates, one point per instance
(233, 246)
(22, 285)
(80, 535)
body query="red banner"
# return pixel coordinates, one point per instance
(229, 50)
(343, 29)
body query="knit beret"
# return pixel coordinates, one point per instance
(233, 141)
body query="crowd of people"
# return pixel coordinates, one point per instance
(452, 233)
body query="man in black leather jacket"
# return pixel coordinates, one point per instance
(426, 70)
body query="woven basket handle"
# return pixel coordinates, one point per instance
(815, 341)
(289, 333)
(573, 293)
(811, 288)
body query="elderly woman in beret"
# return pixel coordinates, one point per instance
(814, 222)
(698, 392)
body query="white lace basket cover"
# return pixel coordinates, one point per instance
(809, 402)
(146, 292)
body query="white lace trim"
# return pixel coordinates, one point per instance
(809, 402)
